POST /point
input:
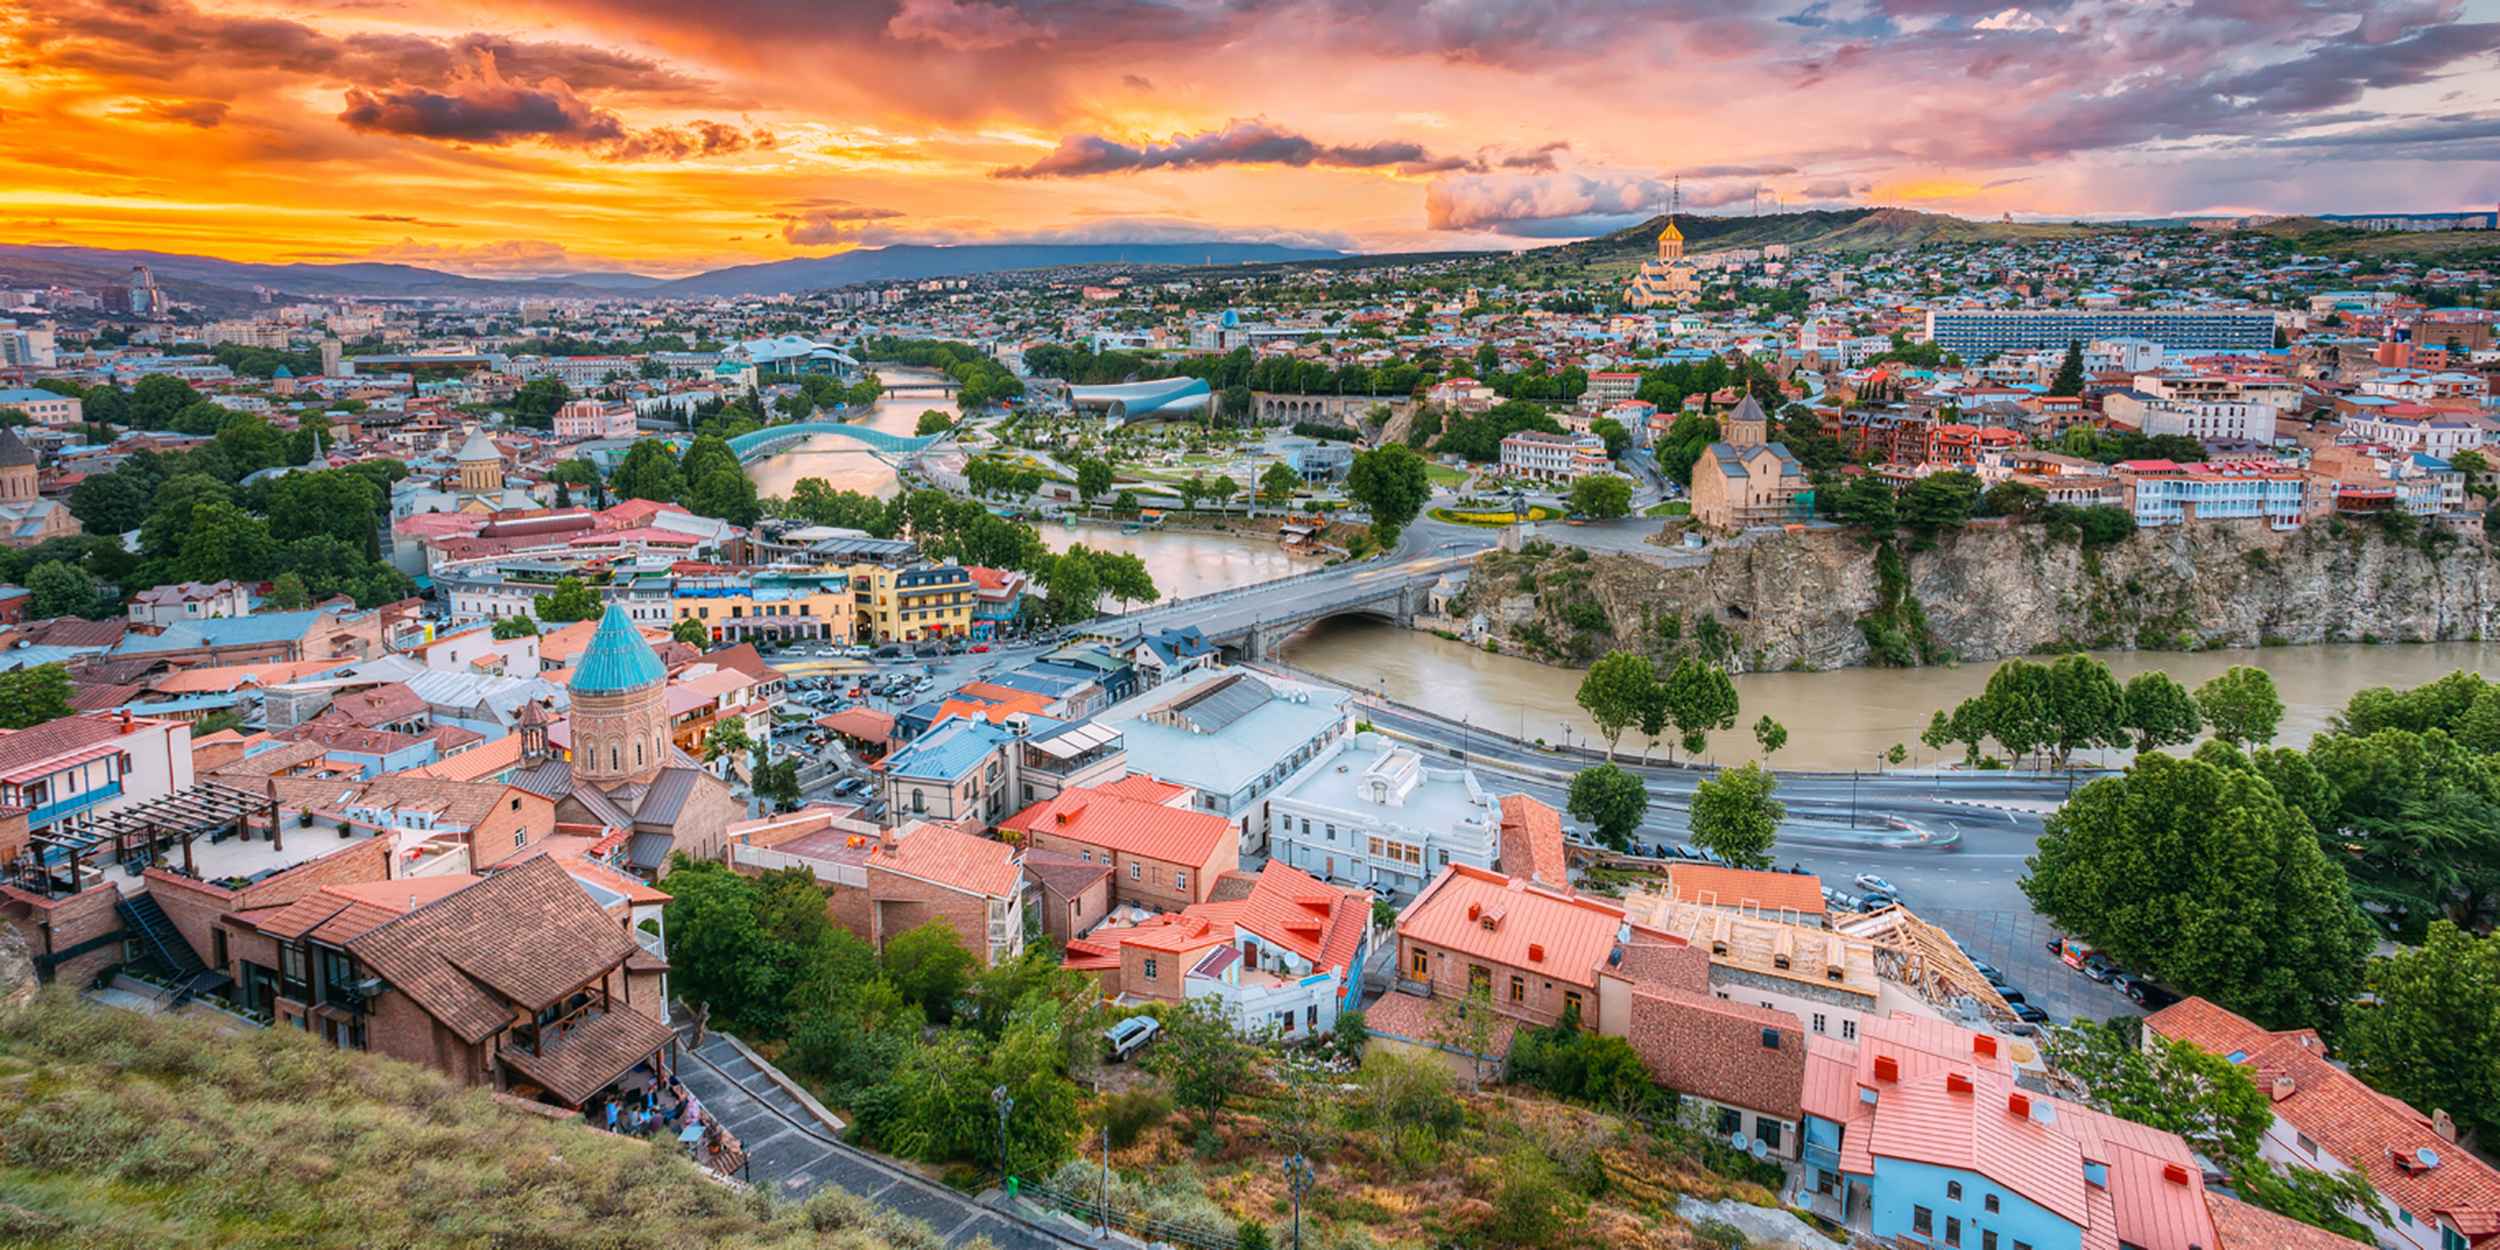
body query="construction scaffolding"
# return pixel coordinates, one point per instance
(140, 835)
(1911, 952)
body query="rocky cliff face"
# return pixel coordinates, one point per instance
(1780, 600)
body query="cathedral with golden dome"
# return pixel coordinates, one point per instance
(1671, 279)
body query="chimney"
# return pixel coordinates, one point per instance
(1983, 1045)
(2174, 1174)
(2444, 1126)
(126, 725)
(1536, 953)
(2284, 1087)
(1475, 910)
(2019, 1103)
(1887, 1068)
(1956, 1083)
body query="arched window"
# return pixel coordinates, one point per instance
(613, 764)
(918, 804)
(637, 755)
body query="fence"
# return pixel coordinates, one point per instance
(1095, 1210)
(826, 871)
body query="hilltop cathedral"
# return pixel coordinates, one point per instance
(1670, 279)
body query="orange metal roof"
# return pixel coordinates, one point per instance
(1105, 816)
(959, 861)
(1575, 934)
(1711, 885)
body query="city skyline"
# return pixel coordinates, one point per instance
(559, 136)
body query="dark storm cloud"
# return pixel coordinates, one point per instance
(1242, 142)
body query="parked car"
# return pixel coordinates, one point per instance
(2100, 967)
(847, 786)
(1987, 970)
(889, 652)
(2029, 1014)
(1872, 901)
(2149, 996)
(1131, 1035)
(2012, 994)
(980, 648)
(1869, 881)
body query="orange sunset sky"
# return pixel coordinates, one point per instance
(538, 137)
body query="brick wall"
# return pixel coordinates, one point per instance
(1060, 924)
(401, 1029)
(1165, 984)
(58, 924)
(1150, 883)
(901, 903)
(702, 826)
(1541, 994)
(194, 906)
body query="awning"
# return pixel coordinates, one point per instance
(39, 771)
(593, 1055)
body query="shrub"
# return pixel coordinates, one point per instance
(1129, 1116)
(1719, 1234)
(1585, 616)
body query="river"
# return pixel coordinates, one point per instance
(843, 464)
(1835, 720)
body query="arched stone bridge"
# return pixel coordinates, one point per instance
(1250, 622)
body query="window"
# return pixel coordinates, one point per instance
(2307, 1147)
(1769, 1131)
(1423, 965)
(1770, 1039)
(1953, 1230)
(1332, 833)
(1987, 1241)
(1518, 988)
(615, 764)
(1818, 1022)
(1087, 856)
(1180, 881)
(1150, 968)
(516, 805)
(919, 802)
(1134, 870)
(1731, 1120)
(1571, 1002)
(1923, 1221)
(2022, 1245)
(1990, 1202)
(1848, 1030)
(1312, 1018)
(521, 836)
(1953, 1190)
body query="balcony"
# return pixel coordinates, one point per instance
(59, 809)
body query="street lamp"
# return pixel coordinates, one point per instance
(1853, 797)
(1566, 733)
(1005, 1104)
(1298, 1180)
(1466, 735)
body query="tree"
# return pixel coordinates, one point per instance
(2241, 705)
(505, 627)
(334, 502)
(1618, 439)
(1277, 484)
(1615, 690)
(1868, 501)
(728, 737)
(537, 400)
(2069, 379)
(933, 421)
(649, 472)
(1468, 1026)
(724, 494)
(572, 600)
(287, 593)
(1699, 698)
(1771, 734)
(1072, 587)
(1201, 1056)
(2415, 819)
(1602, 495)
(110, 503)
(2430, 1032)
(33, 696)
(693, 633)
(1224, 488)
(1614, 801)
(1391, 483)
(2160, 711)
(2175, 1086)
(1734, 814)
(779, 780)
(1938, 502)
(2198, 874)
(931, 967)
(58, 589)
(225, 541)
(1093, 479)
(2086, 705)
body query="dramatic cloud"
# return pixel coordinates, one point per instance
(1241, 142)
(494, 113)
(831, 222)
(1502, 201)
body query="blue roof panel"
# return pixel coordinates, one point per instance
(617, 658)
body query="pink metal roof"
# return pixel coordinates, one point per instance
(1575, 934)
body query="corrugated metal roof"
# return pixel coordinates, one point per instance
(649, 850)
(617, 658)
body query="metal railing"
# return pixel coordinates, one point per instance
(1099, 1212)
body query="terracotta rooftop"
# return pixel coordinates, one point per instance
(1105, 816)
(958, 861)
(525, 938)
(1712, 885)
(1532, 842)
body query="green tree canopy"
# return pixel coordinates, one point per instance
(649, 472)
(2175, 1086)
(1602, 495)
(2199, 874)
(1614, 692)
(1734, 814)
(1277, 484)
(1699, 698)
(2161, 711)
(2430, 1033)
(2241, 705)
(1390, 482)
(57, 589)
(32, 696)
(571, 600)
(931, 967)
(1615, 802)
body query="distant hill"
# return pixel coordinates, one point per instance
(1845, 230)
(905, 262)
(353, 278)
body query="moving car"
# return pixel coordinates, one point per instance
(1869, 881)
(979, 648)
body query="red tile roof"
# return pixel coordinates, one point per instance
(1532, 842)
(958, 861)
(1716, 1049)
(2367, 1130)
(2239, 1226)
(1292, 909)
(1107, 816)
(1711, 885)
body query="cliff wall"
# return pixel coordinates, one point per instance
(1774, 599)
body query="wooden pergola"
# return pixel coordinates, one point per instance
(141, 831)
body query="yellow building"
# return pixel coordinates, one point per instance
(912, 605)
(772, 605)
(1670, 279)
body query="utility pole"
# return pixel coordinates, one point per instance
(1005, 1104)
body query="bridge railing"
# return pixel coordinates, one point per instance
(1257, 589)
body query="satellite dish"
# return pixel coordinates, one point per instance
(2044, 1111)
(1761, 1150)
(1739, 1141)
(2427, 1157)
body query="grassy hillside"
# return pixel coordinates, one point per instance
(2328, 238)
(128, 1130)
